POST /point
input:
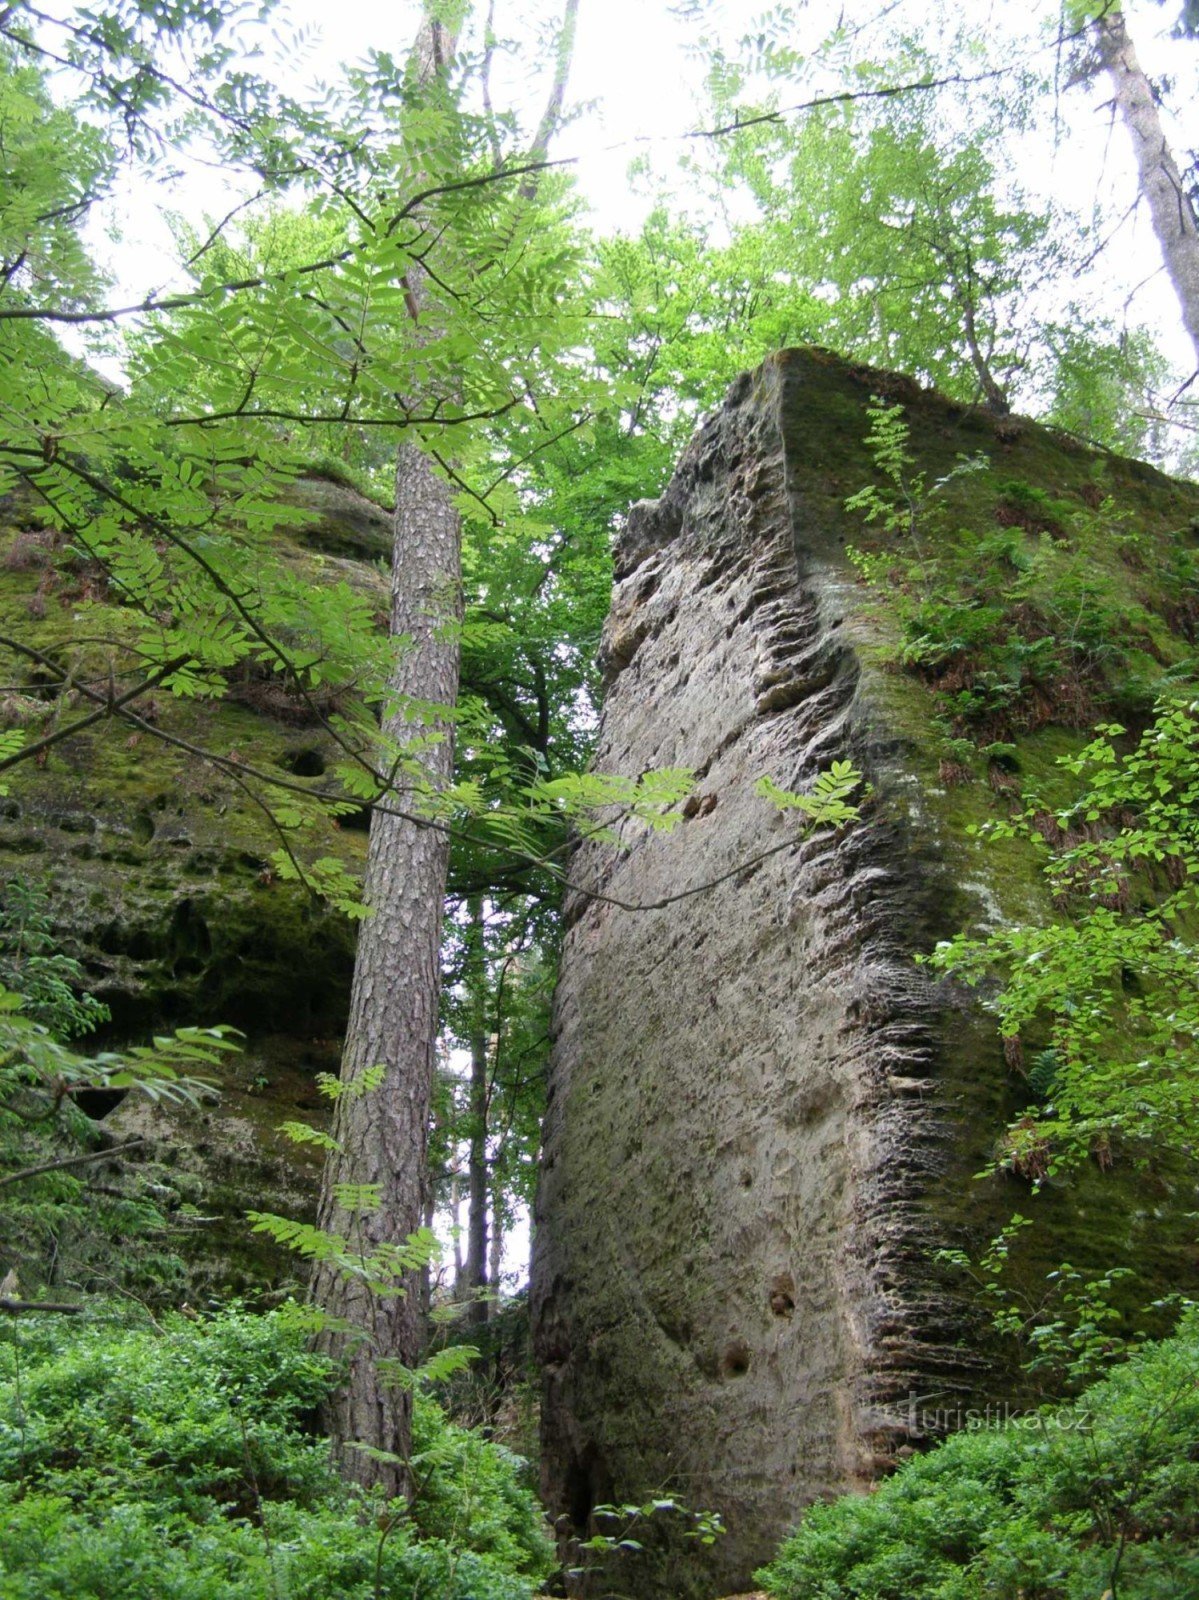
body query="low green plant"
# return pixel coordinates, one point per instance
(900, 504)
(1066, 1331)
(1015, 622)
(62, 1226)
(50, 983)
(183, 1463)
(1096, 1498)
(620, 1531)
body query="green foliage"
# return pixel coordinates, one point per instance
(38, 1075)
(58, 1224)
(621, 1530)
(826, 803)
(1066, 1335)
(904, 502)
(50, 983)
(1031, 619)
(905, 230)
(1098, 1497)
(382, 1268)
(180, 1464)
(1106, 988)
(294, 340)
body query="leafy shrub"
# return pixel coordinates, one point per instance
(50, 983)
(57, 1224)
(1099, 1497)
(184, 1465)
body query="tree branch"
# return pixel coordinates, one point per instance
(61, 1307)
(70, 1161)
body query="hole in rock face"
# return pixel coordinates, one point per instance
(579, 1496)
(97, 1103)
(356, 821)
(189, 941)
(735, 1361)
(304, 763)
(142, 828)
(43, 684)
(782, 1295)
(587, 1486)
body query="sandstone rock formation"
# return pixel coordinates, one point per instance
(764, 1116)
(158, 870)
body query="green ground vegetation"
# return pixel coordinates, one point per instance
(184, 1461)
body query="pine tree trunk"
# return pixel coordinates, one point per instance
(495, 1253)
(476, 1236)
(394, 1001)
(393, 1018)
(475, 1282)
(456, 1227)
(393, 1021)
(1170, 207)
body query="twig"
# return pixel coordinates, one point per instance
(70, 1161)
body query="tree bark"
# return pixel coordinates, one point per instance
(495, 1253)
(1170, 208)
(539, 150)
(456, 1226)
(394, 1000)
(475, 1280)
(476, 1241)
(393, 1020)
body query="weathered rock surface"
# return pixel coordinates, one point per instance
(764, 1116)
(158, 869)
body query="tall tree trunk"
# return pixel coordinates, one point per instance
(476, 1236)
(475, 1279)
(495, 1252)
(426, 1271)
(394, 1000)
(1170, 207)
(456, 1225)
(393, 1021)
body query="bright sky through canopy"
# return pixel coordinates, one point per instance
(638, 81)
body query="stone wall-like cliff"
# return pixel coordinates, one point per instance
(158, 871)
(764, 1117)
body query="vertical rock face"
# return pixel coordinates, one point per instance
(763, 1116)
(158, 871)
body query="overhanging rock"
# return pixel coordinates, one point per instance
(764, 1116)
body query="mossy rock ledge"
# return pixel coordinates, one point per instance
(161, 883)
(765, 1117)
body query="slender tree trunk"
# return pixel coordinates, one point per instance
(476, 1237)
(1170, 207)
(495, 1253)
(475, 1281)
(456, 1227)
(993, 392)
(426, 1271)
(394, 1001)
(552, 115)
(393, 1022)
